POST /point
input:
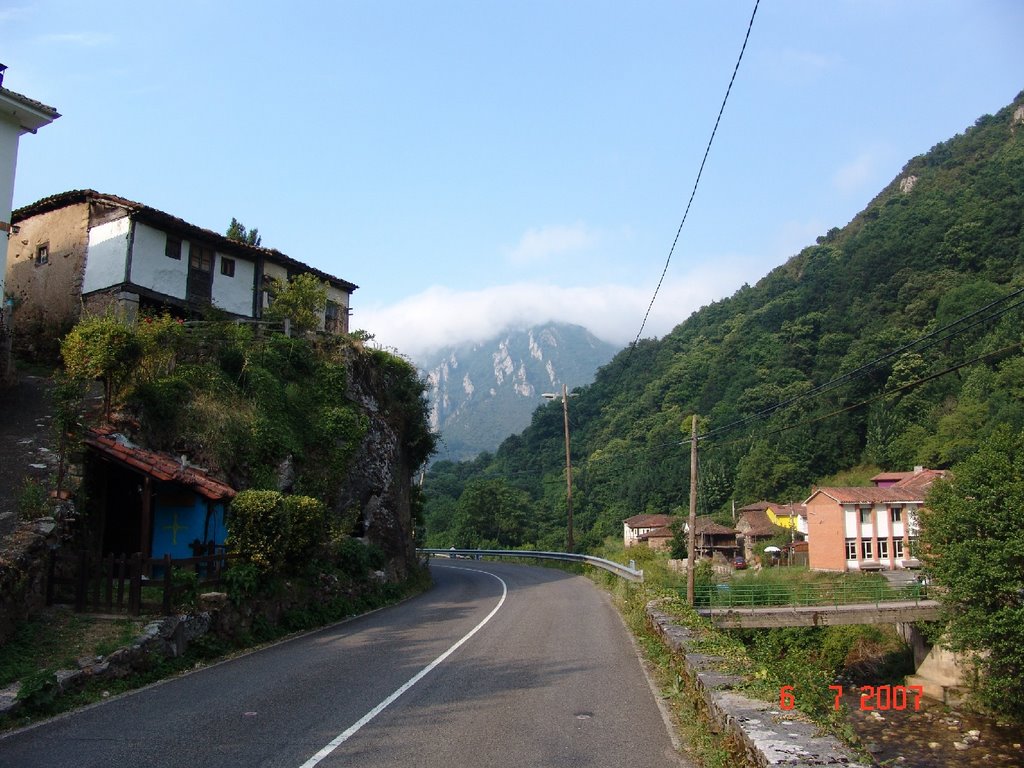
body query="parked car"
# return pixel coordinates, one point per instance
(739, 562)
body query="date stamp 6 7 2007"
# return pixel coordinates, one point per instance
(872, 697)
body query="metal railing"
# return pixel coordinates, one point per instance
(775, 595)
(627, 572)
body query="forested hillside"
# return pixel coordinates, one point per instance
(893, 341)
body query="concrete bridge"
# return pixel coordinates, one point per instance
(880, 612)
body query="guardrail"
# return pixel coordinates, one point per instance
(769, 595)
(625, 571)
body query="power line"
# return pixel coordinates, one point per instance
(696, 182)
(880, 395)
(863, 370)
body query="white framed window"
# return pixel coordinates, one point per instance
(866, 550)
(897, 548)
(42, 254)
(851, 549)
(883, 549)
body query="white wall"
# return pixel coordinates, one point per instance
(234, 294)
(9, 135)
(152, 268)
(105, 259)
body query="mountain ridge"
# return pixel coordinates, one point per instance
(482, 392)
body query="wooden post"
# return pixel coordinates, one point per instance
(168, 583)
(691, 539)
(121, 563)
(135, 585)
(146, 535)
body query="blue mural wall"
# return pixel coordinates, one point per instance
(181, 517)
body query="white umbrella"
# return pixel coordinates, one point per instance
(772, 549)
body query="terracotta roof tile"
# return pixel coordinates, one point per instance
(648, 521)
(157, 464)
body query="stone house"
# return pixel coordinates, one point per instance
(87, 250)
(868, 528)
(754, 527)
(635, 527)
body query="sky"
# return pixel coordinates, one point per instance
(477, 165)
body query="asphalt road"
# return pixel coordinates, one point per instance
(497, 665)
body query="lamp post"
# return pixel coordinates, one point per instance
(570, 544)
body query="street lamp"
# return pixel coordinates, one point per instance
(570, 544)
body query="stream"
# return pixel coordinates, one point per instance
(935, 736)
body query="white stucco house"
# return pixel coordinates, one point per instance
(18, 115)
(85, 249)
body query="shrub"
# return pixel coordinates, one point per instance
(273, 531)
(258, 528)
(32, 500)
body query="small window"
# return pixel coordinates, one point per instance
(896, 514)
(42, 254)
(227, 266)
(865, 515)
(851, 549)
(865, 549)
(172, 249)
(200, 258)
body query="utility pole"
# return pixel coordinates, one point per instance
(570, 544)
(691, 539)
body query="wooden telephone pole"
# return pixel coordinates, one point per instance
(691, 538)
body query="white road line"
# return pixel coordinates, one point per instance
(345, 735)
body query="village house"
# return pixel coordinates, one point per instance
(87, 250)
(635, 527)
(754, 527)
(18, 115)
(871, 527)
(713, 539)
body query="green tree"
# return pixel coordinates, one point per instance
(492, 512)
(302, 300)
(973, 539)
(103, 347)
(237, 231)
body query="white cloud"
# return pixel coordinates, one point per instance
(438, 317)
(538, 245)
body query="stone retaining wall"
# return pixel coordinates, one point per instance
(767, 735)
(23, 562)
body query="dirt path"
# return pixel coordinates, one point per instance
(26, 442)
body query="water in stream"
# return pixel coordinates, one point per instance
(936, 736)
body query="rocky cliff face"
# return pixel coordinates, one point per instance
(482, 393)
(377, 485)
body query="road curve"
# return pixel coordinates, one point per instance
(497, 664)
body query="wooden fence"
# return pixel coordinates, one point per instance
(127, 583)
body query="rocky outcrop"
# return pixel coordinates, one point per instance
(377, 486)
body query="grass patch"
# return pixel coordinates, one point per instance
(58, 638)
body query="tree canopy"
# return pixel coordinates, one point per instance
(237, 231)
(973, 537)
